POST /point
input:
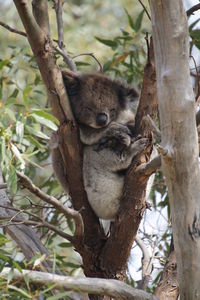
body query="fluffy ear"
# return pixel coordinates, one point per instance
(71, 81)
(127, 95)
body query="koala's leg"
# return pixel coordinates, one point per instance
(57, 163)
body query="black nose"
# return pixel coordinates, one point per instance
(101, 119)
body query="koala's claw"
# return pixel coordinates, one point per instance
(138, 146)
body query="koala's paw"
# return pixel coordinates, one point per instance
(138, 146)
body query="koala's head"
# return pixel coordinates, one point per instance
(96, 100)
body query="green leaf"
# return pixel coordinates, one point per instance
(3, 63)
(4, 257)
(12, 179)
(45, 115)
(33, 131)
(34, 141)
(39, 260)
(20, 131)
(44, 121)
(59, 296)
(10, 114)
(195, 36)
(14, 94)
(130, 20)
(22, 292)
(10, 101)
(26, 279)
(37, 79)
(3, 240)
(26, 92)
(17, 153)
(17, 266)
(72, 265)
(109, 43)
(10, 275)
(138, 22)
(193, 24)
(65, 245)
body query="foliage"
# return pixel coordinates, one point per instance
(129, 53)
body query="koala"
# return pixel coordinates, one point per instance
(102, 109)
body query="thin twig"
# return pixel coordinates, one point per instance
(58, 6)
(145, 9)
(15, 221)
(67, 59)
(146, 266)
(149, 121)
(191, 10)
(93, 56)
(68, 212)
(13, 29)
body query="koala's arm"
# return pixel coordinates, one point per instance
(119, 157)
(58, 163)
(90, 136)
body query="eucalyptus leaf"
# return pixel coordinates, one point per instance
(22, 292)
(109, 43)
(17, 153)
(32, 130)
(44, 121)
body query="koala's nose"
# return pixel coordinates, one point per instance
(102, 119)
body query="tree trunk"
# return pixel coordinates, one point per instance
(179, 138)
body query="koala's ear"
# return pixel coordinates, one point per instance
(71, 81)
(127, 95)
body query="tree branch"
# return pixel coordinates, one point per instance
(58, 5)
(112, 288)
(191, 10)
(145, 9)
(14, 218)
(40, 12)
(13, 29)
(146, 263)
(69, 142)
(68, 212)
(133, 203)
(93, 56)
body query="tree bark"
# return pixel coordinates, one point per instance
(179, 138)
(112, 288)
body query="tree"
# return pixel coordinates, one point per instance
(106, 257)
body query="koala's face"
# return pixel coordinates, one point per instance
(97, 100)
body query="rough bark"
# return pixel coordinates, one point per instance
(168, 288)
(179, 138)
